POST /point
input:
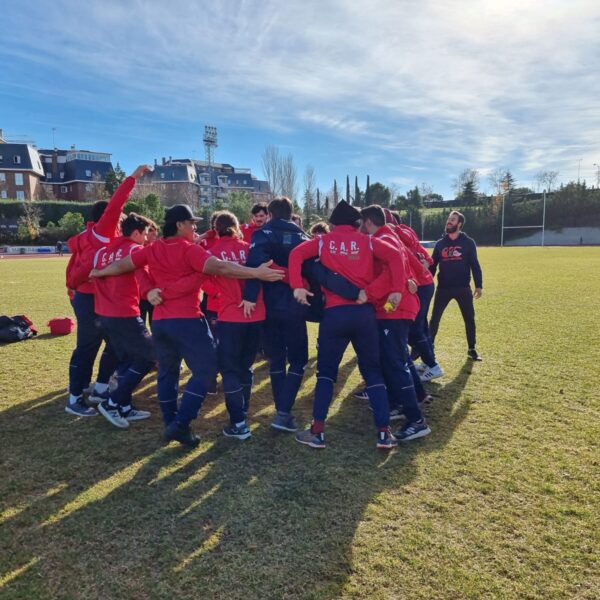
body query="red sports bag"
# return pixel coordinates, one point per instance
(61, 326)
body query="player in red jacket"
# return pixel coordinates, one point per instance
(117, 304)
(99, 232)
(260, 215)
(394, 326)
(179, 329)
(351, 254)
(239, 325)
(419, 337)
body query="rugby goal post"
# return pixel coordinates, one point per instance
(542, 226)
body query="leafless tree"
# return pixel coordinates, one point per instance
(464, 177)
(546, 180)
(288, 177)
(271, 164)
(496, 178)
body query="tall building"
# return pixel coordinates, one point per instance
(77, 175)
(27, 173)
(194, 182)
(20, 170)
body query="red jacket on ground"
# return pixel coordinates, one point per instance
(230, 291)
(84, 245)
(379, 292)
(170, 260)
(351, 254)
(119, 296)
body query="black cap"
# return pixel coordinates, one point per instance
(344, 214)
(180, 212)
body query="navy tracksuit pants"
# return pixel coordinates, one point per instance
(419, 336)
(395, 358)
(89, 340)
(189, 340)
(132, 344)
(356, 325)
(236, 349)
(464, 298)
(286, 341)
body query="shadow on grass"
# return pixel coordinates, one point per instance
(88, 505)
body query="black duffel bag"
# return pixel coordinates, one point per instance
(15, 329)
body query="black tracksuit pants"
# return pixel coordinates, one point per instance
(464, 298)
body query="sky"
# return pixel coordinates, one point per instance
(407, 92)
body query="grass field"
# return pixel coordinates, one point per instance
(501, 501)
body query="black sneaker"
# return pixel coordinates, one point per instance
(182, 434)
(241, 432)
(472, 354)
(386, 440)
(314, 440)
(412, 431)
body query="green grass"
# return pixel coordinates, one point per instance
(501, 501)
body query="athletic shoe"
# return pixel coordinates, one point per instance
(412, 431)
(431, 373)
(182, 434)
(284, 422)
(80, 409)
(133, 414)
(420, 367)
(385, 440)
(314, 440)
(472, 354)
(396, 414)
(362, 395)
(98, 397)
(426, 400)
(213, 388)
(112, 415)
(241, 433)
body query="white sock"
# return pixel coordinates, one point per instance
(100, 387)
(73, 399)
(240, 424)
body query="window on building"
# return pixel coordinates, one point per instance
(62, 175)
(162, 175)
(18, 178)
(63, 189)
(89, 187)
(3, 194)
(20, 195)
(88, 173)
(2, 177)
(1, 158)
(48, 175)
(17, 159)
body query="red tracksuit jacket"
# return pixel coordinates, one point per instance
(230, 291)
(119, 296)
(351, 254)
(84, 246)
(378, 293)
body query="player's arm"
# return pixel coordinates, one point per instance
(224, 268)
(476, 270)
(298, 255)
(389, 255)
(125, 265)
(435, 259)
(259, 253)
(104, 229)
(315, 270)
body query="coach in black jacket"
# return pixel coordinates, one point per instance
(456, 256)
(286, 339)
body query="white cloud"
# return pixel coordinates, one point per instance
(468, 82)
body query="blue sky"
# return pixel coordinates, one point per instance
(405, 91)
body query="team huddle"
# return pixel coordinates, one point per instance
(218, 299)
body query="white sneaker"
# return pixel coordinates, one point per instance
(431, 373)
(112, 415)
(420, 367)
(136, 415)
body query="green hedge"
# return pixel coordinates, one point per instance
(52, 210)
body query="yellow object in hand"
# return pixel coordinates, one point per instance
(388, 307)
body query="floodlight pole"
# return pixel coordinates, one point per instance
(544, 218)
(502, 230)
